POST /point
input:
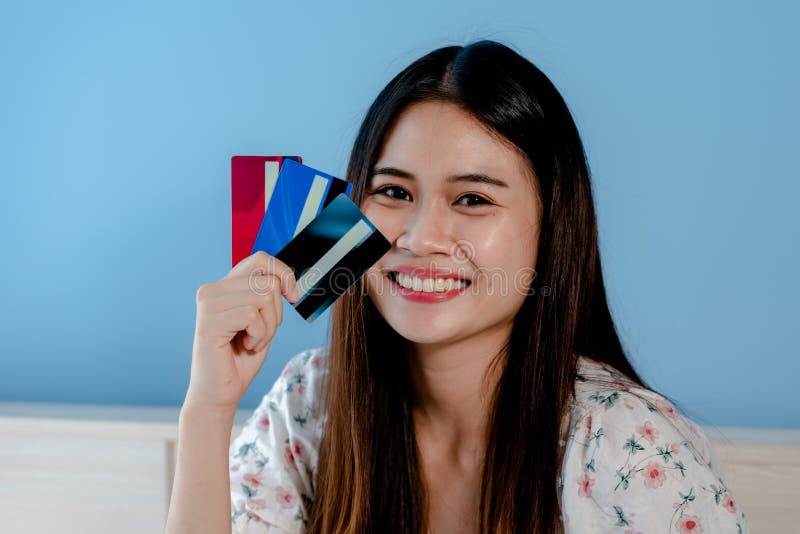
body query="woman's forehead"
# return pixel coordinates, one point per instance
(436, 140)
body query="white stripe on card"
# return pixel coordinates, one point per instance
(313, 201)
(270, 179)
(328, 261)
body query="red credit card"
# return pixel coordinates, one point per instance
(253, 179)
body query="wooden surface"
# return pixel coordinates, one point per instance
(765, 481)
(89, 469)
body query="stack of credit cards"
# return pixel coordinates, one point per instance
(305, 218)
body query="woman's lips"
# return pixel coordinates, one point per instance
(423, 273)
(425, 297)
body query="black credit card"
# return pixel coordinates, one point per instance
(331, 253)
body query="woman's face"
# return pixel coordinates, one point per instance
(452, 197)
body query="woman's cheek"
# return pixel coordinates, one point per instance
(485, 245)
(501, 257)
(388, 223)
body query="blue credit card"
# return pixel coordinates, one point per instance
(297, 196)
(330, 254)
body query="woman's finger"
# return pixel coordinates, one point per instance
(270, 312)
(240, 292)
(270, 328)
(234, 320)
(261, 263)
(277, 301)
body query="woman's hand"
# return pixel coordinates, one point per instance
(236, 320)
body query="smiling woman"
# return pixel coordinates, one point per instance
(474, 380)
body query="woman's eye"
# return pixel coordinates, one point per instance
(391, 188)
(478, 199)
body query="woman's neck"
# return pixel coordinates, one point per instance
(453, 386)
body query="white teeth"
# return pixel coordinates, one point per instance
(428, 285)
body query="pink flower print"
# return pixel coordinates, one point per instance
(263, 423)
(674, 448)
(728, 504)
(628, 404)
(251, 479)
(585, 485)
(689, 524)
(315, 361)
(285, 497)
(301, 389)
(286, 372)
(666, 408)
(648, 431)
(297, 448)
(288, 456)
(654, 475)
(631, 531)
(588, 426)
(256, 504)
(234, 468)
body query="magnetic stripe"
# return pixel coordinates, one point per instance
(270, 179)
(348, 241)
(312, 204)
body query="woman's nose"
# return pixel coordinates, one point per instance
(427, 230)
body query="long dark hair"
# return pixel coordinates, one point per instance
(368, 477)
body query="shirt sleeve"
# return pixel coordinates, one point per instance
(633, 464)
(273, 459)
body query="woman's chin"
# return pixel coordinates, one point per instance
(419, 323)
(422, 329)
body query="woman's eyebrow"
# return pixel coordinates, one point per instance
(471, 177)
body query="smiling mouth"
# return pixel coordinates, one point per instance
(427, 285)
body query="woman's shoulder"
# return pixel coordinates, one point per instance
(312, 361)
(632, 460)
(306, 368)
(299, 393)
(603, 394)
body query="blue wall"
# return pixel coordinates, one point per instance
(117, 125)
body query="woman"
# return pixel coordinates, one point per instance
(474, 380)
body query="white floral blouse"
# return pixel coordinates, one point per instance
(632, 464)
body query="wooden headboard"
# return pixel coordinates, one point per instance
(123, 458)
(762, 470)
